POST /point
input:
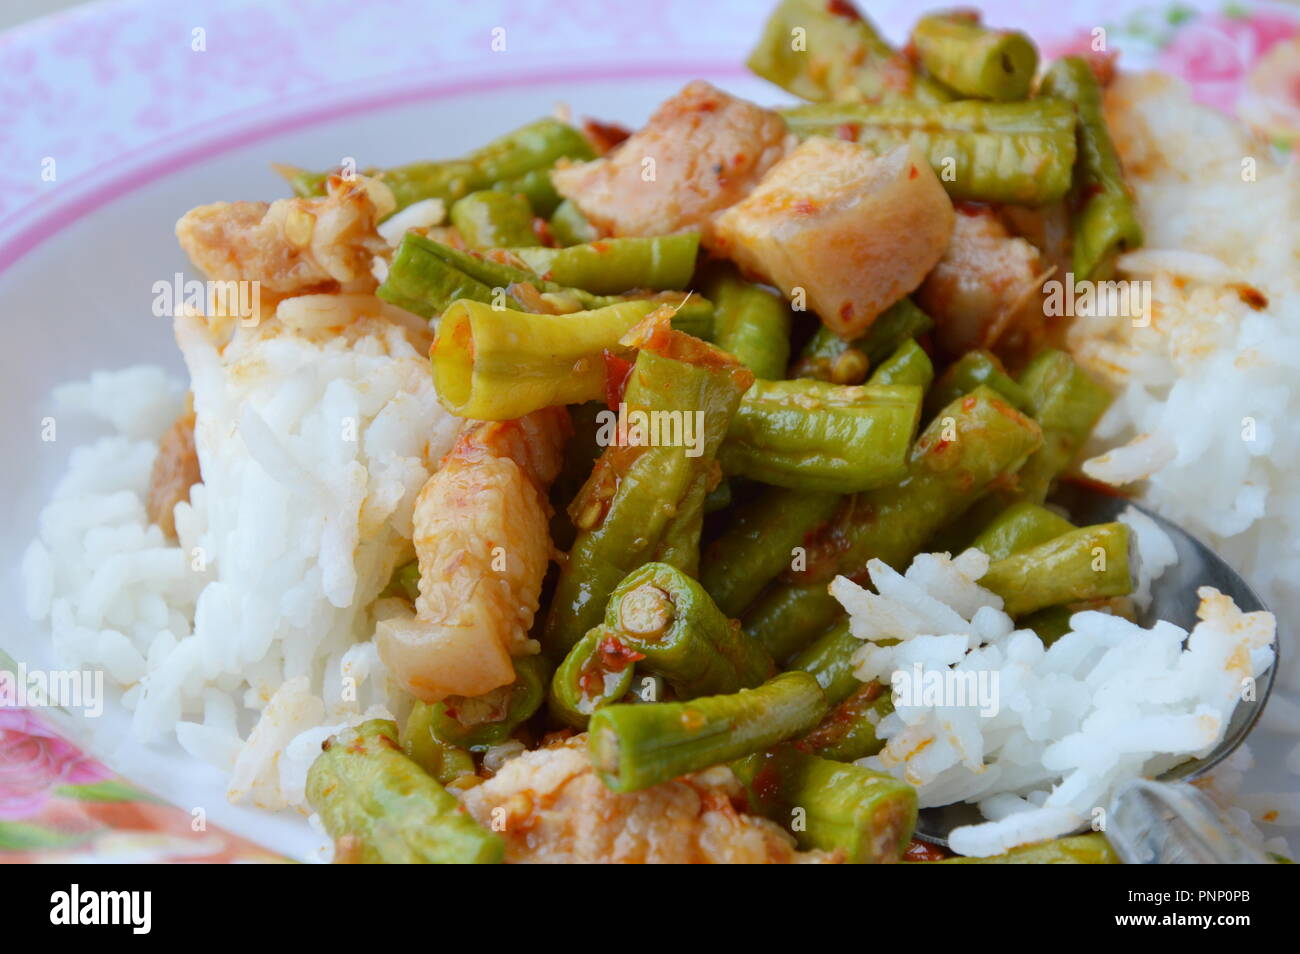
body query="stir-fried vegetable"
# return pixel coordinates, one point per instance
(973, 60)
(498, 364)
(380, 807)
(990, 152)
(645, 501)
(1102, 216)
(816, 436)
(492, 219)
(830, 805)
(677, 632)
(507, 163)
(636, 746)
(828, 51)
(708, 493)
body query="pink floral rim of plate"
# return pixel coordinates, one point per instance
(59, 804)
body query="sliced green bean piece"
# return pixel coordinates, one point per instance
(967, 373)
(503, 161)
(974, 60)
(483, 721)
(666, 617)
(719, 498)
(907, 365)
(635, 746)
(1084, 564)
(831, 806)
(1018, 528)
(1020, 153)
(788, 616)
(570, 227)
(830, 661)
(759, 544)
(812, 435)
(1103, 218)
(1067, 404)
(1049, 624)
(848, 732)
(750, 321)
(444, 761)
(970, 444)
(596, 672)
(427, 276)
(828, 357)
(827, 51)
(382, 808)
(490, 219)
(645, 502)
(535, 186)
(422, 282)
(498, 365)
(608, 266)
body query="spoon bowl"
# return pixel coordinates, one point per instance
(1173, 598)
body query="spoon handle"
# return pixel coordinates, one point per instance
(1164, 823)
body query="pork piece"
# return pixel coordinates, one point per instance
(175, 471)
(550, 808)
(986, 284)
(292, 245)
(700, 152)
(855, 231)
(483, 543)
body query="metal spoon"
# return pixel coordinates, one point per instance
(1140, 809)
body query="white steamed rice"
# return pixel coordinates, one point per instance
(250, 638)
(1207, 399)
(1053, 730)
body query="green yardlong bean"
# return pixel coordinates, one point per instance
(974, 60)
(1084, 564)
(645, 502)
(1090, 849)
(598, 671)
(491, 219)
(1018, 153)
(384, 809)
(1018, 528)
(570, 227)
(831, 806)
(483, 721)
(609, 266)
(498, 365)
(830, 661)
(638, 745)
(664, 616)
(751, 322)
(1103, 218)
(504, 161)
(827, 51)
(908, 365)
(443, 761)
(848, 732)
(828, 357)
(970, 444)
(966, 374)
(759, 543)
(812, 435)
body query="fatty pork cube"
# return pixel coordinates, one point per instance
(700, 152)
(854, 230)
(985, 286)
